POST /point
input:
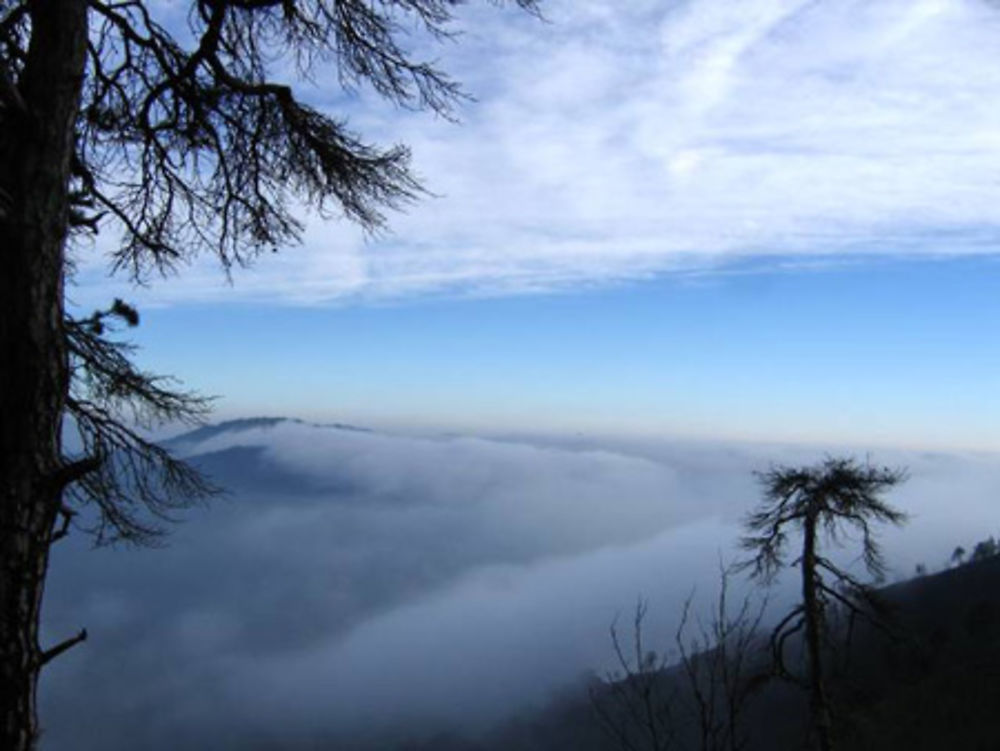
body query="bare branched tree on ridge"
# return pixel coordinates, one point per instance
(185, 141)
(822, 503)
(698, 695)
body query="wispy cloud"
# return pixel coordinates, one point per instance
(623, 140)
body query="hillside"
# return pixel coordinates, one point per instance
(936, 685)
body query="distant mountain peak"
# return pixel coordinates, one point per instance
(239, 425)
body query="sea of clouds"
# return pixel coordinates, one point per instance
(370, 585)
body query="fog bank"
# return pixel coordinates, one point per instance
(354, 583)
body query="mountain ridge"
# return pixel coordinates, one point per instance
(206, 432)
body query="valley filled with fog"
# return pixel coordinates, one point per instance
(377, 586)
(542, 287)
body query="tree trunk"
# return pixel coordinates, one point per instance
(818, 704)
(37, 141)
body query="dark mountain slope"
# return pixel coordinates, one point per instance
(935, 685)
(938, 685)
(206, 432)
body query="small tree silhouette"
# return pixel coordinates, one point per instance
(822, 502)
(644, 706)
(958, 556)
(984, 549)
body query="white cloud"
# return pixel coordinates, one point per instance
(628, 139)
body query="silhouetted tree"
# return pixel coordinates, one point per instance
(719, 662)
(958, 556)
(649, 704)
(634, 703)
(821, 503)
(188, 141)
(984, 549)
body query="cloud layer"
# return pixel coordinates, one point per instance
(377, 586)
(620, 141)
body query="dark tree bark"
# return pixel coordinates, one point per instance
(814, 625)
(34, 380)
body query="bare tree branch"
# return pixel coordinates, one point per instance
(50, 654)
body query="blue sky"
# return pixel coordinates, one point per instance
(872, 353)
(771, 220)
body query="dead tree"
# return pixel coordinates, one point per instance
(695, 697)
(722, 664)
(822, 503)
